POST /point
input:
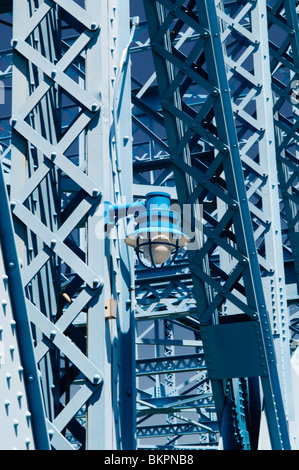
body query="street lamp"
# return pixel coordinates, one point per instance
(157, 237)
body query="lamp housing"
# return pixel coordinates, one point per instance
(157, 237)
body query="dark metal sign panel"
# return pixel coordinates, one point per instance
(234, 350)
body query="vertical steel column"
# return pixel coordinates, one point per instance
(284, 62)
(253, 113)
(96, 148)
(22, 412)
(109, 156)
(241, 283)
(274, 285)
(63, 153)
(165, 297)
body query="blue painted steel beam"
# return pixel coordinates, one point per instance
(284, 17)
(22, 325)
(61, 143)
(159, 300)
(226, 142)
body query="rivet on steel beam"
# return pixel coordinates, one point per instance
(96, 379)
(14, 42)
(13, 326)
(13, 121)
(28, 417)
(21, 371)
(27, 442)
(6, 404)
(53, 333)
(19, 398)
(8, 379)
(95, 107)
(95, 192)
(95, 283)
(16, 424)
(12, 350)
(94, 26)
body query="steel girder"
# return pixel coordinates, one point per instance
(238, 126)
(66, 159)
(23, 420)
(174, 400)
(167, 296)
(283, 23)
(175, 406)
(245, 44)
(284, 63)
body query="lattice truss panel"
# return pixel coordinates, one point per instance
(22, 413)
(174, 402)
(53, 199)
(184, 42)
(284, 63)
(5, 92)
(175, 407)
(241, 51)
(207, 115)
(245, 40)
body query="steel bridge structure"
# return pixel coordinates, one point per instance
(107, 101)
